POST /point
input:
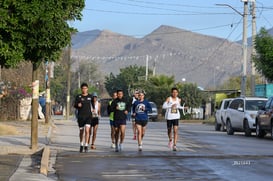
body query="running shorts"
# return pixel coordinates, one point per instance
(142, 123)
(82, 121)
(171, 123)
(118, 123)
(94, 121)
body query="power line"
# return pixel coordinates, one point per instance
(173, 32)
(148, 7)
(156, 14)
(171, 4)
(212, 54)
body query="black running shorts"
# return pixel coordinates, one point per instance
(94, 121)
(142, 123)
(171, 123)
(82, 121)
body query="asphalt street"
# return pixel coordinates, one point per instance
(203, 154)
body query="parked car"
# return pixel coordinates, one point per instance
(264, 120)
(154, 113)
(241, 114)
(220, 115)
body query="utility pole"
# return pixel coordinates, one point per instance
(47, 81)
(49, 75)
(68, 82)
(244, 46)
(79, 79)
(254, 33)
(244, 63)
(154, 66)
(147, 64)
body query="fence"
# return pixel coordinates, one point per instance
(9, 109)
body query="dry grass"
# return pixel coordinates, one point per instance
(7, 130)
(21, 128)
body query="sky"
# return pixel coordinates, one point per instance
(140, 17)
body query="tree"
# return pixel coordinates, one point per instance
(158, 88)
(263, 59)
(127, 80)
(35, 31)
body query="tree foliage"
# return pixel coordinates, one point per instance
(127, 80)
(264, 58)
(191, 95)
(157, 88)
(35, 30)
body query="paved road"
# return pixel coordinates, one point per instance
(203, 155)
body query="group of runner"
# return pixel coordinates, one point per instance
(118, 109)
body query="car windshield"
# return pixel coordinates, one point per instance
(152, 105)
(255, 105)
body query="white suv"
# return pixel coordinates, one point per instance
(241, 114)
(221, 115)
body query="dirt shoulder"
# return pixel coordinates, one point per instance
(21, 127)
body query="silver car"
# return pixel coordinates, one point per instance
(241, 114)
(154, 113)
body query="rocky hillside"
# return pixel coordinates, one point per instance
(205, 60)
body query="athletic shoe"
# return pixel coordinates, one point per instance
(139, 147)
(117, 148)
(174, 148)
(170, 144)
(120, 147)
(86, 149)
(93, 147)
(113, 145)
(81, 149)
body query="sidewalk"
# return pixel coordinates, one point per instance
(16, 157)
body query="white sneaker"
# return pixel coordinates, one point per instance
(113, 145)
(120, 147)
(139, 147)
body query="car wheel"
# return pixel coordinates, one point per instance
(271, 130)
(230, 130)
(217, 126)
(247, 128)
(259, 132)
(223, 127)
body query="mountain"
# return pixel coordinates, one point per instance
(201, 59)
(249, 40)
(81, 39)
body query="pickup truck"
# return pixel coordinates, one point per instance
(220, 115)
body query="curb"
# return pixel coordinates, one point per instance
(46, 152)
(45, 161)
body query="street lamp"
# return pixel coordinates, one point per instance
(244, 46)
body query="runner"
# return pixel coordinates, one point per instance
(95, 108)
(111, 117)
(120, 108)
(140, 112)
(135, 97)
(83, 105)
(172, 115)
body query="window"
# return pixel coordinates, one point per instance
(226, 104)
(234, 104)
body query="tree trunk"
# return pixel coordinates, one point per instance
(48, 97)
(35, 104)
(68, 83)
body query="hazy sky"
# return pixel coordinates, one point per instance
(140, 17)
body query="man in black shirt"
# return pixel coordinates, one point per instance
(83, 105)
(120, 108)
